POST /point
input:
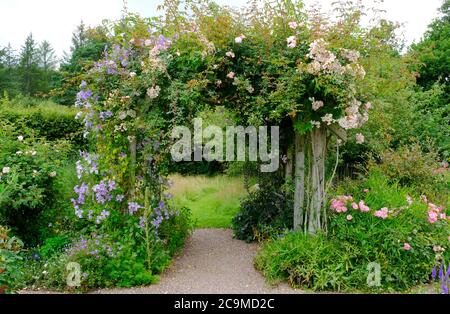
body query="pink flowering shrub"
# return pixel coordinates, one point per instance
(388, 224)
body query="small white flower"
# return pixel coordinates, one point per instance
(328, 118)
(239, 39)
(20, 138)
(132, 74)
(6, 170)
(147, 42)
(52, 174)
(18, 153)
(231, 75)
(315, 124)
(230, 54)
(33, 153)
(153, 92)
(122, 115)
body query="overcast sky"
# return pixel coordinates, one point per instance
(54, 20)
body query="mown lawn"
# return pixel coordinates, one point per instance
(213, 200)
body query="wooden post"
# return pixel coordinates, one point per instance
(318, 145)
(299, 196)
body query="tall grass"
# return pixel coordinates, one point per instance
(214, 201)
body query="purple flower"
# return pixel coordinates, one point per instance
(94, 168)
(433, 272)
(101, 192)
(157, 222)
(83, 95)
(111, 185)
(133, 207)
(441, 271)
(142, 222)
(120, 198)
(79, 213)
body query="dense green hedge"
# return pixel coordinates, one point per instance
(50, 121)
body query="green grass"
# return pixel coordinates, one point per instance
(214, 201)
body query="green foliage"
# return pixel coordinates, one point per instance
(9, 260)
(339, 261)
(410, 167)
(42, 119)
(29, 167)
(268, 205)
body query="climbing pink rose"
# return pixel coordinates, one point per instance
(406, 247)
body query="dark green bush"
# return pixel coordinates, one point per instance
(51, 121)
(267, 205)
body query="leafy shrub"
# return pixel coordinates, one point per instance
(107, 258)
(268, 205)
(387, 228)
(176, 230)
(410, 166)
(45, 119)
(53, 246)
(9, 257)
(28, 170)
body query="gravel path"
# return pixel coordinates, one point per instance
(212, 262)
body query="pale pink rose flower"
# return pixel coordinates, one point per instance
(349, 217)
(293, 25)
(360, 138)
(406, 246)
(231, 75)
(291, 42)
(363, 207)
(354, 205)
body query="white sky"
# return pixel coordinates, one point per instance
(55, 20)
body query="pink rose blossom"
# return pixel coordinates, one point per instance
(359, 138)
(382, 213)
(366, 190)
(231, 75)
(432, 216)
(354, 205)
(293, 25)
(406, 247)
(349, 217)
(363, 207)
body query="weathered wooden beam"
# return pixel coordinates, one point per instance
(338, 131)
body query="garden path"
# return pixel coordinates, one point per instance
(211, 262)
